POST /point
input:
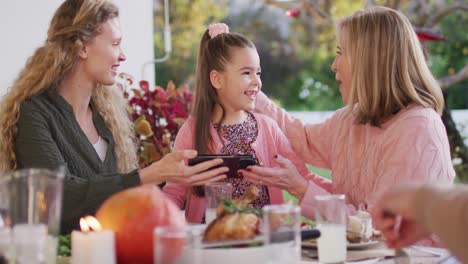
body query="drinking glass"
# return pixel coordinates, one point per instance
(214, 191)
(30, 207)
(330, 216)
(281, 229)
(5, 244)
(178, 246)
(360, 226)
(5, 225)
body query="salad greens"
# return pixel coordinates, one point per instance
(64, 245)
(230, 207)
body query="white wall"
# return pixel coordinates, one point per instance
(23, 28)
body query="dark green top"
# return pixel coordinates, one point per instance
(49, 136)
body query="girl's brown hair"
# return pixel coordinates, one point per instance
(213, 54)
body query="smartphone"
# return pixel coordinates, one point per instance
(233, 162)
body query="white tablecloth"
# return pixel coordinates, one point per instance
(381, 254)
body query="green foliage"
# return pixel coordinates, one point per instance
(314, 88)
(296, 53)
(189, 20)
(64, 245)
(296, 62)
(267, 27)
(231, 208)
(322, 172)
(449, 56)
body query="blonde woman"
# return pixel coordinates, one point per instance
(63, 110)
(389, 132)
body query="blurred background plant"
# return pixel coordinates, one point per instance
(296, 43)
(157, 115)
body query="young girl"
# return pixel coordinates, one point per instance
(227, 84)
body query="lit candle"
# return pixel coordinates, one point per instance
(93, 245)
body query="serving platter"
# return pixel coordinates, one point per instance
(251, 251)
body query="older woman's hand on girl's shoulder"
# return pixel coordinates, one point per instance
(172, 167)
(286, 177)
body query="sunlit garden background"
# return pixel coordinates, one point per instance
(296, 42)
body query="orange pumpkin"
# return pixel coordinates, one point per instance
(133, 215)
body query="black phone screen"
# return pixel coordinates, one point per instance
(233, 162)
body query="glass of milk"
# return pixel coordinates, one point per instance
(330, 216)
(173, 245)
(30, 208)
(281, 229)
(214, 191)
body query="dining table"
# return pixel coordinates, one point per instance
(380, 253)
(369, 255)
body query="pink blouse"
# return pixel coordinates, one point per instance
(366, 160)
(239, 138)
(269, 142)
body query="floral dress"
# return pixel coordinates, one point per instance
(239, 138)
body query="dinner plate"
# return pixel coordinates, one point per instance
(361, 245)
(278, 237)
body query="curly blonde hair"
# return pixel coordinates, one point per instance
(74, 23)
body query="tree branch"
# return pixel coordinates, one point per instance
(396, 4)
(416, 12)
(433, 20)
(283, 5)
(370, 3)
(448, 81)
(316, 8)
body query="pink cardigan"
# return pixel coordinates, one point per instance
(270, 141)
(366, 160)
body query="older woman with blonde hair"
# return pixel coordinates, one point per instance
(390, 130)
(64, 110)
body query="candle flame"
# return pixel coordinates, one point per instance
(89, 223)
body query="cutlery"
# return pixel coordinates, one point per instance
(310, 234)
(306, 234)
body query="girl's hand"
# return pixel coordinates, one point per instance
(286, 177)
(172, 167)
